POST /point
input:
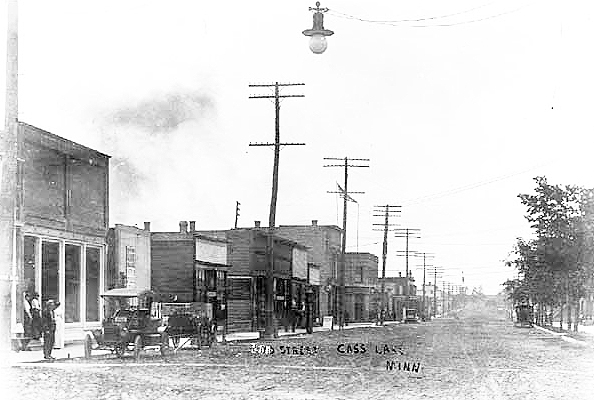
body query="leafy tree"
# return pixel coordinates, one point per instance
(553, 266)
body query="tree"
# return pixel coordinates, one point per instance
(553, 265)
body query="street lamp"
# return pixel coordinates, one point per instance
(317, 34)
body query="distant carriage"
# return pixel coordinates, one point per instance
(524, 314)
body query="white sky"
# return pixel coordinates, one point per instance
(456, 120)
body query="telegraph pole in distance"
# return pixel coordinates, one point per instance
(436, 271)
(425, 256)
(237, 204)
(270, 329)
(387, 213)
(345, 194)
(407, 232)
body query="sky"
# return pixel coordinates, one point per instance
(457, 105)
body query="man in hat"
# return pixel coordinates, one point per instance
(49, 328)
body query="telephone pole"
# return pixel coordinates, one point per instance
(237, 204)
(387, 213)
(407, 232)
(270, 328)
(8, 182)
(436, 271)
(345, 195)
(425, 256)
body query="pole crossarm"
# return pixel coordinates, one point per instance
(276, 97)
(276, 84)
(275, 144)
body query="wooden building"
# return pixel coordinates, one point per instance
(188, 266)
(128, 257)
(62, 212)
(323, 254)
(247, 276)
(360, 287)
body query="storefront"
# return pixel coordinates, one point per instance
(60, 230)
(70, 272)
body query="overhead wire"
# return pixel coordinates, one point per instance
(398, 23)
(411, 20)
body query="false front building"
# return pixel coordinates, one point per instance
(187, 266)
(61, 223)
(247, 277)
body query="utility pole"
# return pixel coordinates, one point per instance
(8, 182)
(425, 256)
(407, 232)
(388, 209)
(237, 204)
(345, 195)
(443, 303)
(436, 271)
(270, 329)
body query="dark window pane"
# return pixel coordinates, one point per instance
(92, 284)
(49, 271)
(72, 306)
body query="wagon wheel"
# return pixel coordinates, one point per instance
(88, 346)
(119, 349)
(137, 347)
(164, 343)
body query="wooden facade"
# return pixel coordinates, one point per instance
(62, 216)
(187, 266)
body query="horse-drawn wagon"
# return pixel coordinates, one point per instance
(135, 322)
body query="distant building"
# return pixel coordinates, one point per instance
(360, 283)
(323, 244)
(129, 257)
(397, 297)
(62, 212)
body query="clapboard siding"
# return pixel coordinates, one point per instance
(172, 265)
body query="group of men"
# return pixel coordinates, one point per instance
(38, 322)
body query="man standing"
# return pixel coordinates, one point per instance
(49, 329)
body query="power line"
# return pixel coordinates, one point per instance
(470, 186)
(398, 24)
(347, 16)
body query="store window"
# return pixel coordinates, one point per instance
(92, 284)
(29, 247)
(49, 270)
(72, 283)
(200, 285)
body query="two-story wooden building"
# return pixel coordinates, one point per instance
(187, 266)
(61, 222)
(360, 286)
(247, 276)
(323, 255)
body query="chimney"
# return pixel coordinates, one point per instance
(192, 226)
(257, 224)
(314, 222)
(147, 226)
(183, 227)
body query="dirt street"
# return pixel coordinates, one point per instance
(478, 355)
